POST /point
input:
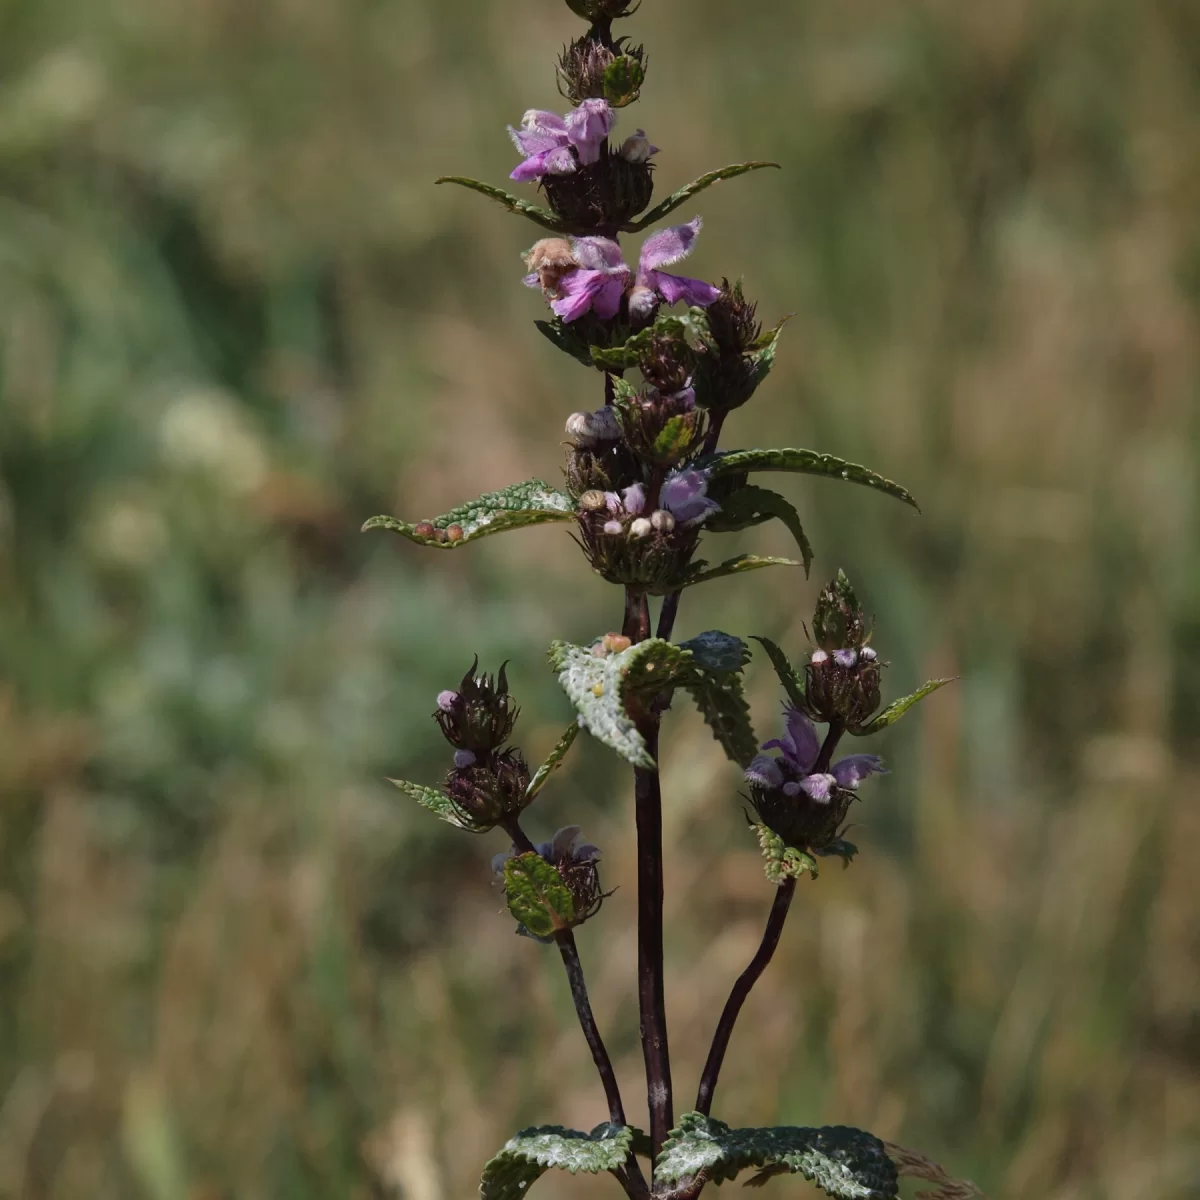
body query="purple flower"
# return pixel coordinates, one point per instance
(800, 748)
(597, 284)
(668, 246)
(547, 140)
(446, 700)
(845, 658)
(684, 496)
(464, 759)
(634, 499)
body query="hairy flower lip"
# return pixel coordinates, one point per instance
(554, 145)
(800, 747)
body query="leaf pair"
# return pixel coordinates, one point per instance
(548, 220)
(845, 1163)
(611, 693)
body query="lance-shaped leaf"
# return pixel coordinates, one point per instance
(788, 676)
(514, 507)
(750, 505)
(701, 572)
(781, 860)
(514, 204)
(762, 357)
(537, 896)
(437, 802)
(529, 1154)
(553, 761)
(684, 194)
(601, 688)
(846, 1163)
(801, 462)
(898, 708)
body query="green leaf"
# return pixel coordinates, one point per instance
(529, 1154)
(782, 861)
(437, 802)
(802, 462)
(630, 352)
(898, 708)
(722, 703)
(537, 895)
(541, 216)
(623, 79)
(792, 682)
(751, 505)
(717, 651)
(845, 1163)
(701, 572)
(513, 507)
(553, 761)
(684, 194)
(762, 359)
(567, 339)
(601, 688)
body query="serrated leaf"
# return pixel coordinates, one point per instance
(630, 352)
(722, 703)
(437, 802)
(801, 462)
(898, 708)
(600, 689)
(717, 651)
(701, 572)
(749, 506)
(782, 861)
(845, 1163)
(514, 204)
(762, 359)
(537, 896)
(553, 761)
(788, 676)
(529, 1154)
(685, 193)
(514, 507)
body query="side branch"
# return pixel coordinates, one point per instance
(741, 989)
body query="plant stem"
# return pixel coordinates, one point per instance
(651, 997)
(741, 989)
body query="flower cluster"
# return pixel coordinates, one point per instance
(589, 274)
(576, 863)
(489, 781)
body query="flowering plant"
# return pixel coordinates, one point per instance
(645, 483)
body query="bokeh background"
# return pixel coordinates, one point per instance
(236, 319)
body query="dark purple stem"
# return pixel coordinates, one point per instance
(741, 989)
(651, 996)
(758, 964)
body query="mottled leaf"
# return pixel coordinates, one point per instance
(845, 1163)
(623, 78)
(553, 760)
(601, 688)
(684, 194)
(701, 572)
(567, 339)
(540, 216)
(750, 505)
(898, 708)
(781, 860)
(437, 802)
(631, 351)
(802, 462)
(537, 895)
(792, 682)
(514, 507)
(530, 1153)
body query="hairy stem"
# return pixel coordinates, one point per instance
(741, 989)
(651, 997)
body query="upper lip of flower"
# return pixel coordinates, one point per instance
(801, 747)
(544, 136)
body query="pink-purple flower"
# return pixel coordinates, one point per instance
(554, 145)
(682, 500)
(793, 771)
(601, 277)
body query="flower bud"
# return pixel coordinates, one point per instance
(614, 528)
(661, 521)
(600, 10)
(592, 501)
(550, 259)
(640, 528)
(487, 791)
(636, 148)
(839, 623)
(480, 716)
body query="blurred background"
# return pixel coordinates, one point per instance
(236, 319)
